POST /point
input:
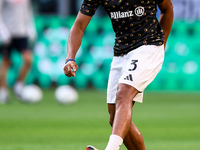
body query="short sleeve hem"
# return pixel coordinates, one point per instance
(159, 1)
(89, 7)
(86, 13)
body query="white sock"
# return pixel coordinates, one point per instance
(114, 143)
(3, 95)
(18, 87)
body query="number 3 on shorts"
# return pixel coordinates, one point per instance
(135, 65)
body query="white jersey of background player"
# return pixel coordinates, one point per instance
(17, 28)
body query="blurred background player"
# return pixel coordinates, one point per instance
(16, 28)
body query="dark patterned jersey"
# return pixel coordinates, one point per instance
(134, 22)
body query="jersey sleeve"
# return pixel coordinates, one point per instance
(89, 7)
(159, 1)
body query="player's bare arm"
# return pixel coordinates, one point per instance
(166, 17)
(74, 42)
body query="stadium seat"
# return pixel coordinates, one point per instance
(179, 29)
(69, 21)
(99, 80)
(157, 84)
(54, 22)
(93, 26)
(193, 29)
(106, 24)
(63, 80)
(194, 46)
(196, 82)
(39, 22)
(44, 80)
(105, 68)
(185, 82)
(81, 81)
(11, 77)
(30, 78)
(16, 60)
(168, 81)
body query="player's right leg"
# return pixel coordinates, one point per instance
(4, 67)
(5, 52)
(134, 139)
(3, 88)
(22, 46)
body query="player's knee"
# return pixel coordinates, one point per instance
(6, 61)
(27, 60)
(125, 94)
(120, 96)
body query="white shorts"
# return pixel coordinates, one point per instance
(138, 68)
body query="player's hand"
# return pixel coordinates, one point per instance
(70, 68)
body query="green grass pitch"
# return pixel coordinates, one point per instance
(168, 121)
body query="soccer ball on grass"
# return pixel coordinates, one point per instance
(66, 94)
(31, 94)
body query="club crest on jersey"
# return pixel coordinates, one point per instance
(118, 14)
(139, 11)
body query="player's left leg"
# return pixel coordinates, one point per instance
(27, 59)
(5, 53)
(22, 45)
(134, 137)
